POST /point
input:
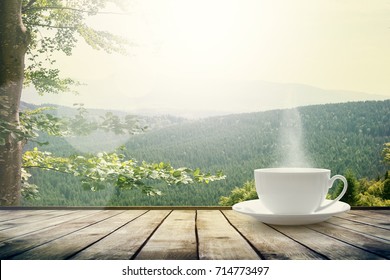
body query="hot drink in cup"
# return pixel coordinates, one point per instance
(296, 191)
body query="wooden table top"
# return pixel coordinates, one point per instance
(193, 233)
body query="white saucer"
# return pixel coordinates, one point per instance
(257, 210)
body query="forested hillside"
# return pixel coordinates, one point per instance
(340, 137)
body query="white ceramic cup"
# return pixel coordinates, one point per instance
(295, 190)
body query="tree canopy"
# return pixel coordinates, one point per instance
(56, 26)
(32, 32)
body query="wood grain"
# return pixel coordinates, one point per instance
(7, 215)
(33, 225)
(382, 223)
(325, 245)
(368, 243)
(76, 241)
(29, 219)
(219, 240)
(179, 233)
(271, 244)
(125, 242)
(77, 221)
(361, 227)
(374, 214)
(174, 239)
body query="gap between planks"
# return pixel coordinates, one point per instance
(204, 229)
(196, 234)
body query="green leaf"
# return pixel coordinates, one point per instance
(104, 169)
(197, 172)
(177, 174)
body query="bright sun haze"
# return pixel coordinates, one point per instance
(188, 54)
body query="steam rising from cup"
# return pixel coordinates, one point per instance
(291, 140)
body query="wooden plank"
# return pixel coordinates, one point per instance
(35, 218)
(161, 207)
(6, 215)
(94, 234)
(367, 220)
(126, 241)
(69, 245)
(80, 219)
(371, 244)
(36, 226)
(331, 248)
(360, 227)
(31, 219)
(3, 227)
(374, 214)
(268, 241)
(219, 240)
(174, 239)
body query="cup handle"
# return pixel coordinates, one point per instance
(331, 181)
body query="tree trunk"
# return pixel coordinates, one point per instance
(14, 40)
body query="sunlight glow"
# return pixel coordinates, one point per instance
(185, 51)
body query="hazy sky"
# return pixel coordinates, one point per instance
(329, 44)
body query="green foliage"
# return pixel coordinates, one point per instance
(29, 191)
(239, 194)
(101, 40)
(31, 122)
(339, 137)
(351, 195)
(386, 153)
(34, 121)
(42, 120)
(98, 171)
(386, 189)
(95, 172)
(48, 80)
(55, 26)
(373, 193)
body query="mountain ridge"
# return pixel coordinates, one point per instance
(196, 99)
(340, 137)
(240, 97)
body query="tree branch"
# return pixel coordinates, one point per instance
(72, 9)
(46, 168)
(57, 8)
(28, 5)
(53, 26)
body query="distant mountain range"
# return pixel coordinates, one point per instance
(193, 99)
(102, 140)
(341, 137)
(204, 98)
